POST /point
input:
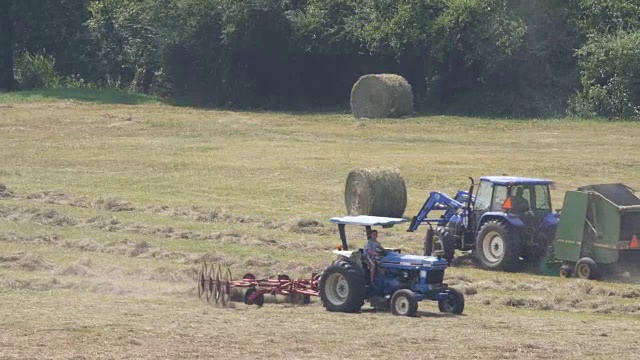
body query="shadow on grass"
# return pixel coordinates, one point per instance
(103, 96)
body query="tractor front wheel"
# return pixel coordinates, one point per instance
(586, 268)
(444, 241)
(498, 247)
(342, 288)
(454, 304)
(403, 302)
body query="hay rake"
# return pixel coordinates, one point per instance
(215, 284)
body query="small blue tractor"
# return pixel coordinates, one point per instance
(509, 221)
(399, 283)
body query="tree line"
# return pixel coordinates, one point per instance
(516, 58)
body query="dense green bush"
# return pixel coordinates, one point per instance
(477, 57)
(610, 76)
(36, 71)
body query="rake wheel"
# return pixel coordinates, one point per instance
(211, 281)
(225, 293)
(202, 285)
(217, 285)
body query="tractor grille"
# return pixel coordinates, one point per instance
(435, 276)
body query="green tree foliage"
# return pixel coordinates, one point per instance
(610, 76)
(609, 59)
(476, 57)
(7, 41)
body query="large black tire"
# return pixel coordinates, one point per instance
(498, 247)
(257, 301)
(586, 268)
(444, 241)
(342, 287)
(428, 243)
(403, 302)
(454, 304)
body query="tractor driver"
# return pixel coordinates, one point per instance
(518, 202)
(372, 251)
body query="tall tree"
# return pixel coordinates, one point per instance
(7, 81)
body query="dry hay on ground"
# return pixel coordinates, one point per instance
(381, 96)
(376, 192)
(4, 192)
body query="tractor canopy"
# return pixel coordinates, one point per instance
(363, 220)
(512, 180)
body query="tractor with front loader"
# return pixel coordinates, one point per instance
(400, 281)
(509, 221)
(506, 222)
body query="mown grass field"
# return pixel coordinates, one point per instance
(112, 204)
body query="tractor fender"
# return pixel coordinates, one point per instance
(456, 220)
(551, 219)
(345, 253)
(495, 215)
(352, 256)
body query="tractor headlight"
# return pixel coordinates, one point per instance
(423, 274)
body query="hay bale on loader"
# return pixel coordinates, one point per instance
(381, 96)
(375, 192)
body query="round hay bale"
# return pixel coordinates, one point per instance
(381, 96)
(375, 192)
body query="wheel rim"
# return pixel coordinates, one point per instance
(337, 289)
(401, 305)
(449, 304)
(583, 271)
(493, 247)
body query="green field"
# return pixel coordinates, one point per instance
(112, 204)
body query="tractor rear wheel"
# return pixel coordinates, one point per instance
(342, 287)
(403, 302)
(586, 268)
(498, 247)
(454, 304)
(444, 241)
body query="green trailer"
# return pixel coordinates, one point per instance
(598, 232)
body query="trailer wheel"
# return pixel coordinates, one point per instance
(586, 268)
(454, 304)
(565, 271)
(257, 301)
(444, 241)
(498, 247)
(403, 302)
(342, 287)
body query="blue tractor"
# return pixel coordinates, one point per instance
(399, 283)
(507, 222)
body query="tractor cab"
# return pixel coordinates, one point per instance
(502, 219)
(512, 197)
(399, 281)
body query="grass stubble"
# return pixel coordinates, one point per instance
(108, 211)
